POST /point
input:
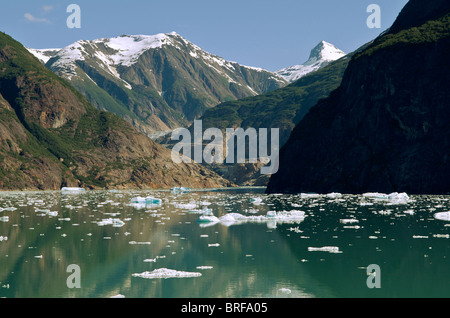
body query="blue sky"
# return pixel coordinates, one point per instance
(270, 34)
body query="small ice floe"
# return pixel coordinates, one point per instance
(256, 201)
(3, 238)
(204, 211)
(178, 190)
(204, 267)
(441, 236)
(285, 290)
(329, 249)
(38, 256)
(111, 221)
(208, 219)
(334, 195)
(214, 245)
(147, 200)
(420, 236)
(150, 260)
(443, 216)
(139, 243)
(394, 198)
(348, 221)
(186, 206)
(118, 296)
(271, 216)
(309, 195)
(72, 190)
(166, 273)
(4, 219)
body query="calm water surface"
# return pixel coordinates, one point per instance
(324, 255)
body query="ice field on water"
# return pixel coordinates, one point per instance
(229, 243)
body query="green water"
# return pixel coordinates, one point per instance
(45, 232)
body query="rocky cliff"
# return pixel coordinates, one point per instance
(51, 136)
(387, 127)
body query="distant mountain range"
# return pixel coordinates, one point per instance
(157, 82)
(163, 81)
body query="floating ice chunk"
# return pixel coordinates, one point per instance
(4, 219)
(147, 200)
(139, 243)
(38, 256)
(334, 195)
(256, 201)
(111, 221)
(3, 238)
(285, 290)
(214, 245)
(441, 235)
(72, 189)
(150, 260)
(166, 273)
(188, 206)
(329, 249)
(118, 296)
(204, 211)
(204, 267)
(393, 198)
(347, 221)
(309, 195)
(208, 219)
(180, 190)
(375, 195)
(443, 216)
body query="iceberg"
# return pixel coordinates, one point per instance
(271, 217)
(392, 199)
(166, 273)
(443, 216)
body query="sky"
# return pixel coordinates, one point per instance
(271, 34)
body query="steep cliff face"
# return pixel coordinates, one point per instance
(51, 137)
(387, 127)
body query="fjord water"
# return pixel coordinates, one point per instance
(324, 255)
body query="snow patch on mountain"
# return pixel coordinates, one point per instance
(322, 55)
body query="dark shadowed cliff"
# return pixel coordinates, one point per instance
(387, 127)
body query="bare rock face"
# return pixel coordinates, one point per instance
(51, 136)
(387, 127)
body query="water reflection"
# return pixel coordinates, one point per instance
(111, 238)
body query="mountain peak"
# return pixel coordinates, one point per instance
(321, 55)
(325, 51)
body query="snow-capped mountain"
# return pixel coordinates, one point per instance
(158, 82)
(320, 56)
